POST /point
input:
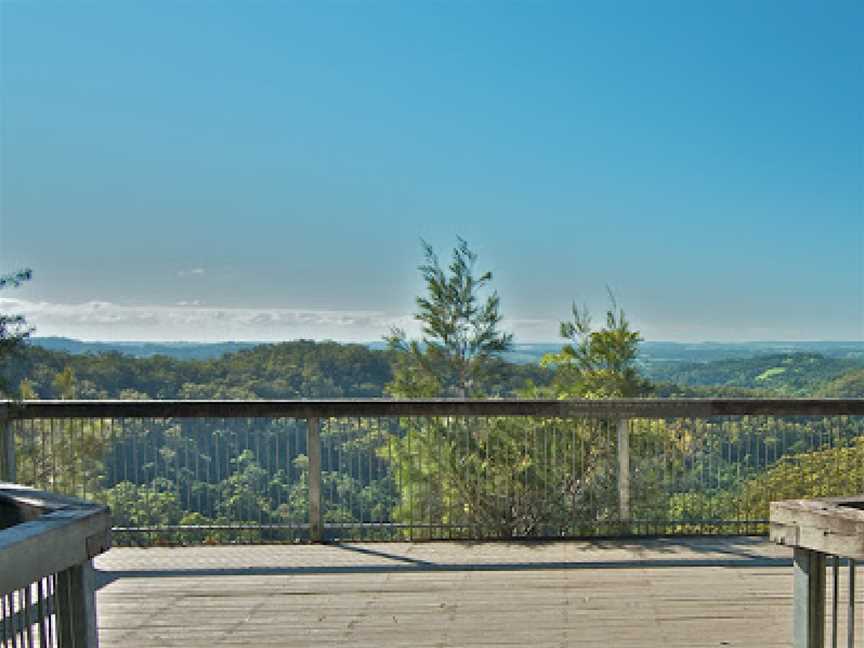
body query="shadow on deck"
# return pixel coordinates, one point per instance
(661, 592)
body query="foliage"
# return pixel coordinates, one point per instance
(672, 390)
(150, 505)
(822, 472)
(492, 477)
(504, 478)
(847, 385)
(597, 363)
(300, 369)
(461, 337)
(13, 328)
(787, 374)
(831, 472)
(436, 462)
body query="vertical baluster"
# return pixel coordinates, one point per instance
(440, 446)
(6, 621)
(331, 440)
(51, 607)
(2, 623)
(82, 458)
(42, 611)
(835, 598)
(7, 443)
(370, 451)
(313, 443)
(850, 612)
(547, 478)
(52, 442)
(623, 433)
(26, 610)
(484, 438)
(17, 630)
(395, 533)
(43, 456)
(356, 443)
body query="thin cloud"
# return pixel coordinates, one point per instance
(191, 272)
(194, 321)
(99, 320)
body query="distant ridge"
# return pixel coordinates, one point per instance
(178, 350)
(650, 352)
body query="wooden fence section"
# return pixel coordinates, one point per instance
(822, 532)
(376, 469)
(47, 543)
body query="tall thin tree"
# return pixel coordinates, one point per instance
(460, 331)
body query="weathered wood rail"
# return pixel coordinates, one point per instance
(617, 408)
(821, 531)
(47, 543)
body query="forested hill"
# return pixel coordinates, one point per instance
(178, 350)
(789, 374)
(849, 385)
(306, 369)
(299, 369)
(650, 351)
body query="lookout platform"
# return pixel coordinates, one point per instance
(692, 592)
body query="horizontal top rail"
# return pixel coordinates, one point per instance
(830, 525)
(614, 408)
(48, 533)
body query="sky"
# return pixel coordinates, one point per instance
(267, 170)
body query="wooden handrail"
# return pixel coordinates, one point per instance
(614, 408)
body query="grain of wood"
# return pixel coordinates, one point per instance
(694, 593)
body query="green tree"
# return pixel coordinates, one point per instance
(13, 328)
(26, 390)
(65, 384)
(134, 505)
(598, 363)
(496, 476)
(849, 385)
(461, 336)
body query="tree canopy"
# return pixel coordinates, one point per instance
(461, 339)
(13, 328)
(598, 363)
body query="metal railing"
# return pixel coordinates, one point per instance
(822, 532)
(292, 471)
(46, 574)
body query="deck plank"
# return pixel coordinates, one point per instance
(691, 592)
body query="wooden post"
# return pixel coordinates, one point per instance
(313, 448)
(76, 607)
(624, 470)
(7, 451)
(809, 614)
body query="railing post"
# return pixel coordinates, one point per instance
(809, 614)
(313, 445)
(7, 451)
(76, 607)
(624, 470)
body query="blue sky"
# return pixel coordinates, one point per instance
(265, 170)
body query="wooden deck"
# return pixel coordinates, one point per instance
(695, 592)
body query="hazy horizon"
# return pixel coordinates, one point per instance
(549, 342)
(105, 321)
(521, 342)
